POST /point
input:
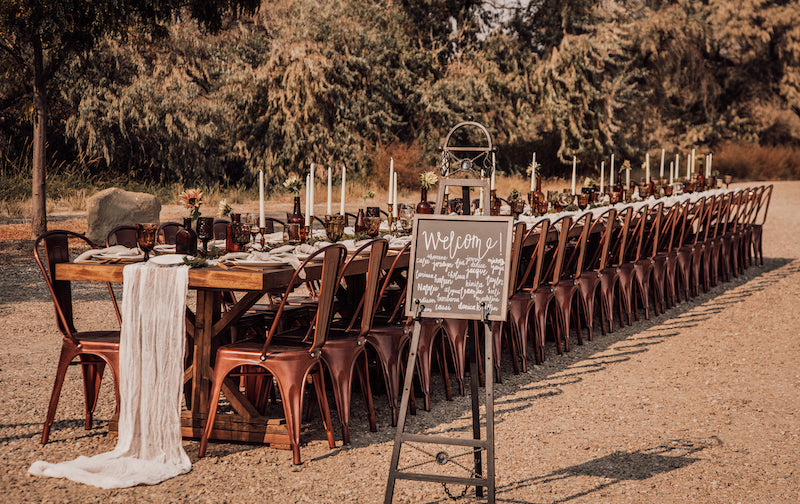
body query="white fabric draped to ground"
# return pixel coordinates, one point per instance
(149, 448)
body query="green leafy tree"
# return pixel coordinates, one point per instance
(39, 36)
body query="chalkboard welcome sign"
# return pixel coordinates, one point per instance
(457, 263)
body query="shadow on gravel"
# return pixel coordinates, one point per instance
(100, 428)
(619, 466)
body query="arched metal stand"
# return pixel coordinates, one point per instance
(458, 163)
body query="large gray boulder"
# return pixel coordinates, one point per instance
(115, 207)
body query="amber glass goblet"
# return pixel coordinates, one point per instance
(146, 238)
(205, 231)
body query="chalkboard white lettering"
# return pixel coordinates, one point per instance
(457, 264)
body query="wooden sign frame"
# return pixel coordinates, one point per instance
(476, 241)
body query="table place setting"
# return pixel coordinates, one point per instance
(113, 254)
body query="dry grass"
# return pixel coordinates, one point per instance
(757, 162)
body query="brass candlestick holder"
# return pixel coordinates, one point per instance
(390, 214)
(263, 241)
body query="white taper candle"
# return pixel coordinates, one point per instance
(330, 190)
(391, 180)
(574, 166)
(261, 220)
(611, 172)
(602, 176)
(341, 200)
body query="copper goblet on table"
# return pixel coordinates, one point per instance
(334, 227)
(205, 231)
(373, 226)
(146, 238)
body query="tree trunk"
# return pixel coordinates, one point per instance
(39, 200)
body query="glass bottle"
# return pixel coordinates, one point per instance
(423, 207)
(361, 222)
(186, 238)
(295, 222)
(538, 195)
(230, 245)
(494, 203)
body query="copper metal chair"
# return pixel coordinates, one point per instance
(505, 330)
(343, 351)
(290, 365)
(95, 349)
(757, 224)
(530, 297)
(122, 235)
(167, 231)
(567, 287)
(589, 280)
(390, 332)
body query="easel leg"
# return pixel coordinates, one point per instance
(476, 413)
(401, 420)
(489, 382)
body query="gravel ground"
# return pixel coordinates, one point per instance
(698, 404)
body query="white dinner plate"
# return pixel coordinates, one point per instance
(168, 259)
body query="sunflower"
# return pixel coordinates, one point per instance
(192, 199)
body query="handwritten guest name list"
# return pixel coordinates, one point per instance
(457, 263)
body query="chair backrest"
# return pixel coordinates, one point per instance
(653, 229)
(532, 276)
(720, 214)
(763, 203)
(167, 231)
(331, 267)
(692, 213)
(635, 240)
(221, 228)
(122, 235)
(516, 253)
(670, 222)
(389, 277)
(620, 240)
(54, 246)
(269, 224)
(369, 299)
(557, 257)
(599, 259)
(577, 241)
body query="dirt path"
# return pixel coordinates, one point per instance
(701, 404)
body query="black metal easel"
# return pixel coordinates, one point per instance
(477, 443)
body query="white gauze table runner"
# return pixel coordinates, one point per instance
(151, 353)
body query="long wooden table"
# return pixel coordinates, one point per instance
(205, 326)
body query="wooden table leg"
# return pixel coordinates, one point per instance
(208, 305)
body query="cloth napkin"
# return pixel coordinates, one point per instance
(398, 242)
(149, 446)
(117, 251)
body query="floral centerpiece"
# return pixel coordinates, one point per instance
(224, 209)
(293, 184)
(192, 199)
(428, 179)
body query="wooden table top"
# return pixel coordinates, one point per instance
(212, 277)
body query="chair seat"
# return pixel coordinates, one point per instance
(97, 338)
(254, 347)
